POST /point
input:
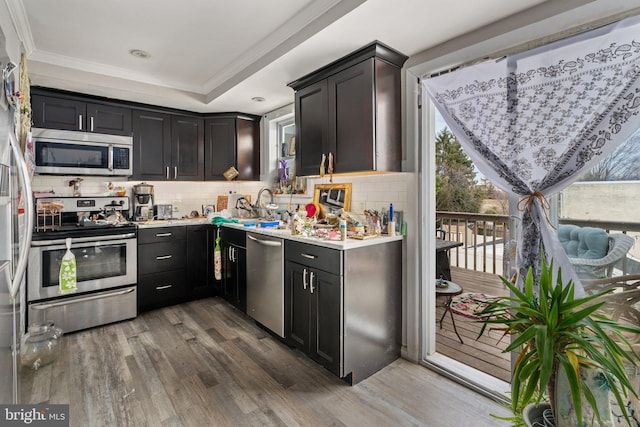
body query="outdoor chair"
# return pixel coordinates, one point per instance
(592, 251)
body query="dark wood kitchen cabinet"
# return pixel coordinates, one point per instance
(343, 307)
(313, 294)
(232, 141)
(234, 267)
(200, 275)
(351, 108)
(162, 266)
(72, 113)
(167, 147)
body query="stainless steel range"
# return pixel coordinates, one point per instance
(105, 248)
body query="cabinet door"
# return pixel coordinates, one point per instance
(325, 290)
(312, 127)
(187, 148)
(241, 283)
(297, 307)
(151, 145)
(229, 274)
(200, 247)
(248, 149)
(220, 147)
(109, 119)
(58, 113)
(352, 118)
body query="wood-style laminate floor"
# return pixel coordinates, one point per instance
(204, 363)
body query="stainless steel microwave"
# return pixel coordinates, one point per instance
(63, 152)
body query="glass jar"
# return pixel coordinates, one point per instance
(40, 345)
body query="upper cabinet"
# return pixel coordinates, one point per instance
(167, 147)
(232, 140)
(351, 109)
(53, 112)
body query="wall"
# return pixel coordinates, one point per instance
(186, 196)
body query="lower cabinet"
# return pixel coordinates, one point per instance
(343, 307)
(200, 274)
(313, 324)
(234, 267)
(161, 266)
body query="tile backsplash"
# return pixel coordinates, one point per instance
(375, 191)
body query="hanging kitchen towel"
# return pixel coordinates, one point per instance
(217, 259)
(67, 277)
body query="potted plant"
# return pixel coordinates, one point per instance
(554, 330)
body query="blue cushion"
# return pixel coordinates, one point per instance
(583, 242)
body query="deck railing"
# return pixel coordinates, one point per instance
(484, 237)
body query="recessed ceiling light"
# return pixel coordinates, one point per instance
(257, 99)
(139, 53)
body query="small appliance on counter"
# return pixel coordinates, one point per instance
(163, 211)
(142, 201)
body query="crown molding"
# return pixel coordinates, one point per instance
(21, 24)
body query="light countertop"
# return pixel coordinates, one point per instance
(277, 232)
(334, 244)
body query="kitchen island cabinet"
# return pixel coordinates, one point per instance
(200, 246)
(351, 109)
(343, 300)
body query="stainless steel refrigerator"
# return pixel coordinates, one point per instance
(16, 224)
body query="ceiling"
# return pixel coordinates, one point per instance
(216, 55)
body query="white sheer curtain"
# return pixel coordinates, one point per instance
(532, 122)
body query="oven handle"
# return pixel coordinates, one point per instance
(45, 305)
(96, 239)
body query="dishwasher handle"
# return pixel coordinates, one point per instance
(265, 242)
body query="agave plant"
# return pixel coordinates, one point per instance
(553, 329)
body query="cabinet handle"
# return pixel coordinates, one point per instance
(163, 234)
(175, 172)
(167, 173)
(311, 282)
(110, 166)
(80, 121)
(160, 258)
(304, 279)
(159, 288)
(308, 256)
(232, 254)
(91, 120)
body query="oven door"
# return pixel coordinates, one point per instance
(101, 263)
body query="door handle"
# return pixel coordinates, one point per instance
(68, 301)
(175, 172)
(160, 258)
(80, 121)
(167, 173)
(311, 282)
(265, 242)
(304, 279)
(91, 120)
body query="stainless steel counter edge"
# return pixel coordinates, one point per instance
(333, 244)
(172, 222)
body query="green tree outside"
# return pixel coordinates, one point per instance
(456, 189)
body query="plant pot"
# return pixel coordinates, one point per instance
(600, 388)
(538, 414)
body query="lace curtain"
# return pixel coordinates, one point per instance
(532, 122)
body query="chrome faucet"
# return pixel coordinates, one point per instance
(258, 206)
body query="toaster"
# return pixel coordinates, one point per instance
(162, 211)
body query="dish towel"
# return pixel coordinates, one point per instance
(67, 278)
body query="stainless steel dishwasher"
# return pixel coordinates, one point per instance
(265, 281)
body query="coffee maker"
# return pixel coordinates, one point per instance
(142, 201)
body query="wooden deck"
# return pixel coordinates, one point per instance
(485, 353)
